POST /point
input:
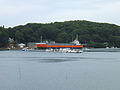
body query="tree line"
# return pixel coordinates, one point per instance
(91, 34)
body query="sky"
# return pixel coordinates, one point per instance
(21, 12)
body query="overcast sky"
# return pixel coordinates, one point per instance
(20, 12)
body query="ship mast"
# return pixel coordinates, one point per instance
(76, 37)
(76, 40)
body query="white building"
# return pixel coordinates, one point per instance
(21, 45)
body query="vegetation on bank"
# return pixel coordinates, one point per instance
(92, 34)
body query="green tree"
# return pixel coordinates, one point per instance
(3, 37)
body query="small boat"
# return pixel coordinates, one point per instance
(68, 50)
(27, 49)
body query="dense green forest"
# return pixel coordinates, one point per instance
(91, 34)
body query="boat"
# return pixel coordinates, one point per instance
(73, 47)
(72, 50)
(27, 49)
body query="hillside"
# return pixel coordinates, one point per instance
(91, 33)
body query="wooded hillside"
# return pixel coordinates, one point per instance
(91, 33)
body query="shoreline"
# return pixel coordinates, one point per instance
(3, 49)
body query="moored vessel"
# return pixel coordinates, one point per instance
(73, 47)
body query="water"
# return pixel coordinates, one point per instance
(21, 70)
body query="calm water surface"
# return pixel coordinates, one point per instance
(21, 70)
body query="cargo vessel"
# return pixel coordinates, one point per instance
(74, 46)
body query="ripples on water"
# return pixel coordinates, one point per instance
(59, 71)
(43, 57)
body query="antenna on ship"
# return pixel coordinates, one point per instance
(76, 37)
(76, 40)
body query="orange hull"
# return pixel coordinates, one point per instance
(59, 46)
